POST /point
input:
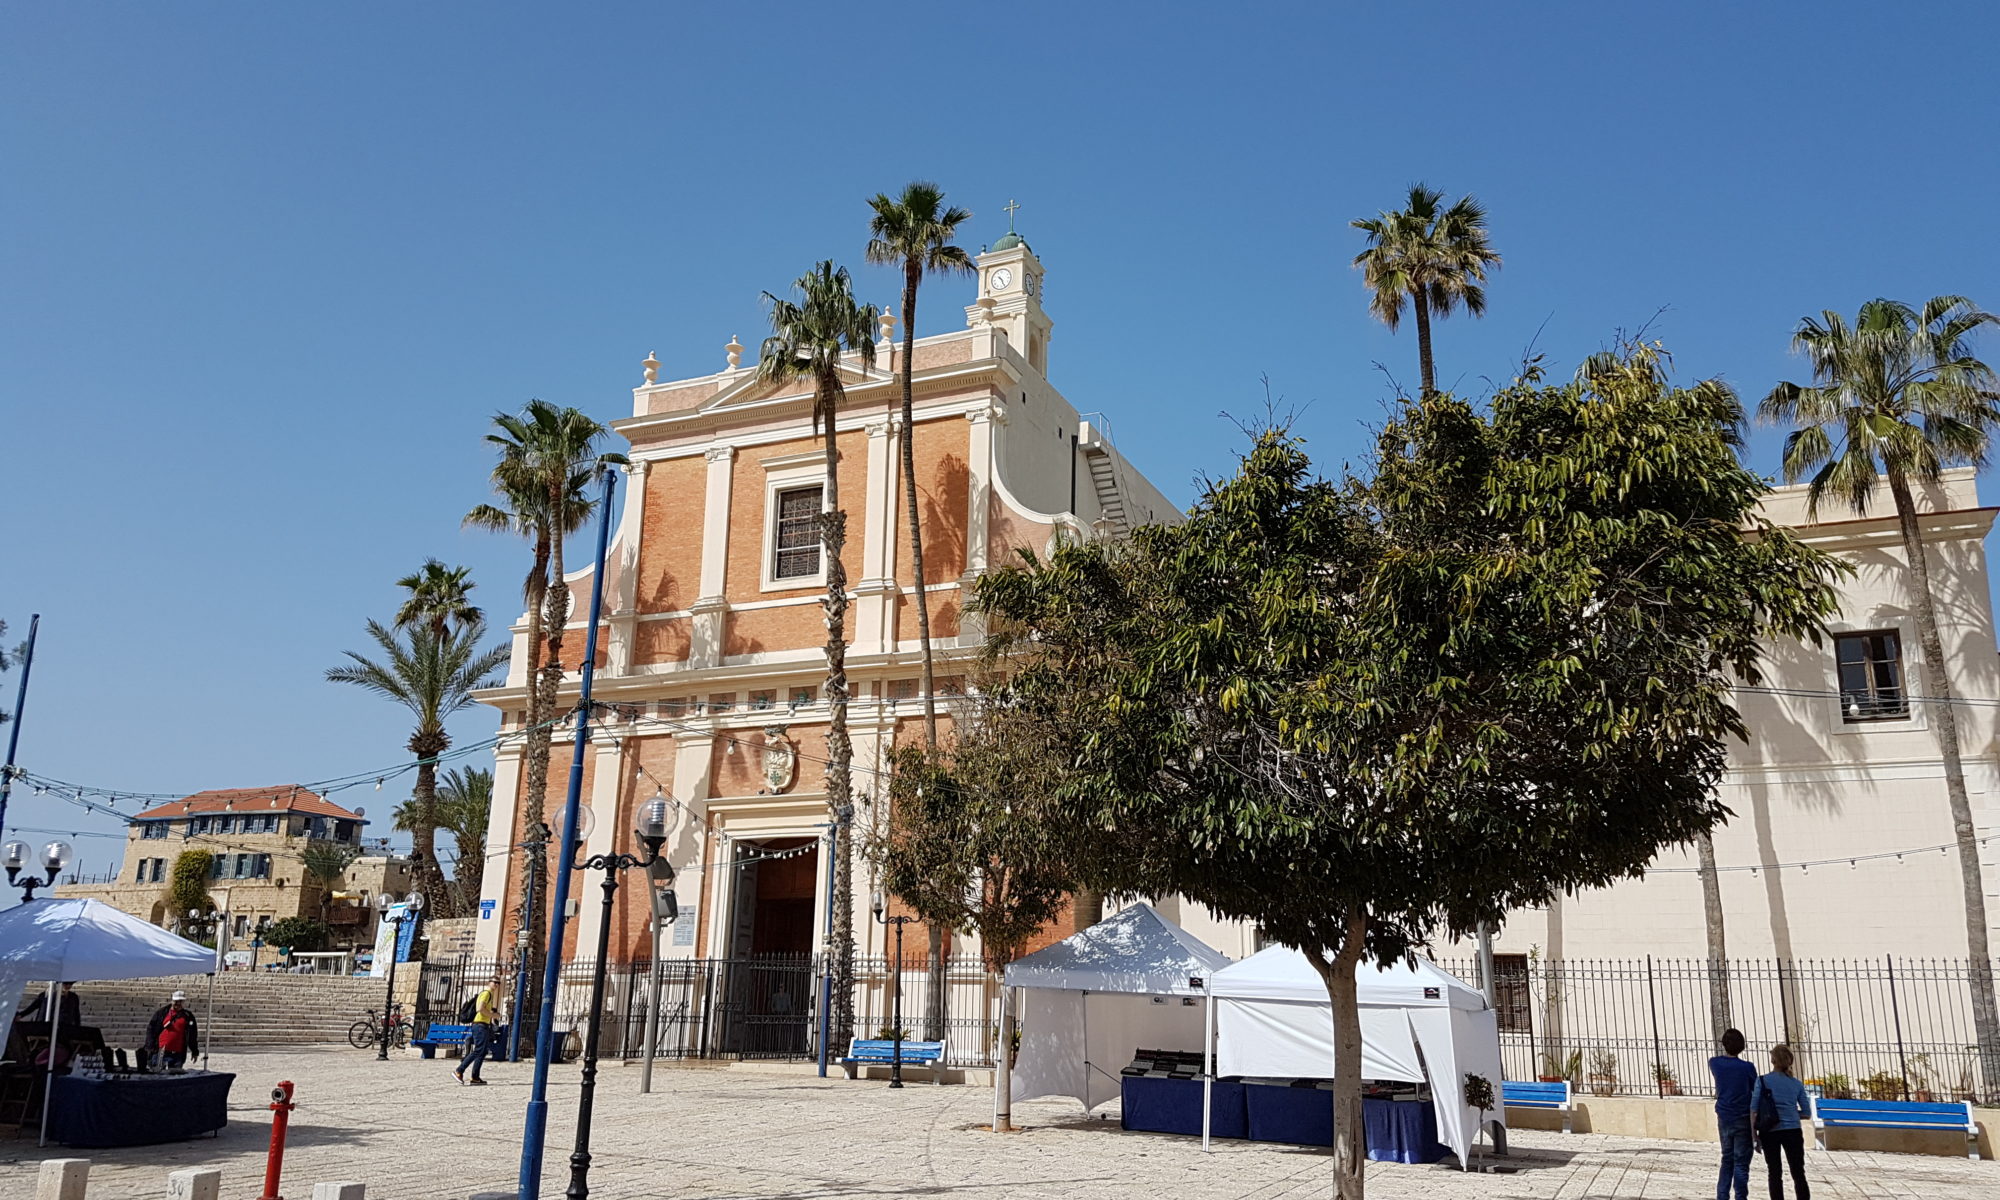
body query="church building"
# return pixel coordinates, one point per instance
(711, 653)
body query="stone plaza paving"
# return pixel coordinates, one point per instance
(408, 1131)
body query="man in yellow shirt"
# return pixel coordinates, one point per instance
(485, 1014)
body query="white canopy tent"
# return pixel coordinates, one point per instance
(78, 940)
(1130, 980)
(1418, 1023)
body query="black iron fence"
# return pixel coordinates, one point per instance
(1886, 1028)
(760, 1007)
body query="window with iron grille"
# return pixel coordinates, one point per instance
(902, 689)
(1871, 676)
(763, 700)
(804, 695)
(796, 546)
(1510, 993)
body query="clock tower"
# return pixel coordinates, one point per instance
(1010, 299)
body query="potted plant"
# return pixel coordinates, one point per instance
(1837, 1086)
(1884, 1086)
(1670, 1083)
(1479, 1095)
(1922, 1076)
(1603, 1072)
(1561, 1070)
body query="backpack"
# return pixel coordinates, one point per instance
(469, 1009)
(1767, 1111)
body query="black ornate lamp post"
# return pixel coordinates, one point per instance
(652, 833)
(896, 994)
(413, 904)
(55, 856)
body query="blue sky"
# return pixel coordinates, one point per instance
(271, 268)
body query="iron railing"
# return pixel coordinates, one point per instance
(1885, 1028)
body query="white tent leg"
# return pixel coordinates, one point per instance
(1209, 1065)
(53, 1002)
(1088, 1107)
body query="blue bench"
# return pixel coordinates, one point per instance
(1895, 1114)
(881, 1052)
(442, 1035)
(1554, 1096)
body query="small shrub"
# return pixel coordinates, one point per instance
(1837, 1087)
(1883, 1086)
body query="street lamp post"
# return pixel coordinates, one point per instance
(652, 833)
(413, 904)
(55, 856)
(896, 993)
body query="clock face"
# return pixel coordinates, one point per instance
(1002, 278)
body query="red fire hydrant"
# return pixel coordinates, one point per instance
(281, 1115)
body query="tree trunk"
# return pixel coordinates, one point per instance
(427, 745)
(1350, 1134)
(1426, 368)
(934, 1000)
(529, 817)
(1718, 949)
(1003, 1058)
(934, 935)
(912, 275)
(1944, 723)
(839, 750)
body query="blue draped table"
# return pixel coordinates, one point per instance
(1402, 1131)
(142, 1110)
(1155, 1104)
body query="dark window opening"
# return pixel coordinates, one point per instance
(796, 549)
(1871, 676)
(1510, 993)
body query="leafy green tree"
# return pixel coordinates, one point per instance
(307, 935)
(433, 677)
(438, 597)
(520, 481)
(809, 338)
(914, 231)
(187, 886)
(1366, 713)
(970, 847)
(1432, 257)
(1900, 395)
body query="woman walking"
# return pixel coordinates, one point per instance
(1779, 1090)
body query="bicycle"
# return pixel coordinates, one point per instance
(367, 1033)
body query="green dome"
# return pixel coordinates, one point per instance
(1009, 240)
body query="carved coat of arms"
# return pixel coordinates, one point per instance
(781, 759)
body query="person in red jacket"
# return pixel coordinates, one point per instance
(172, 1034)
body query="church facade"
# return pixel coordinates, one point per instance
(711, 653)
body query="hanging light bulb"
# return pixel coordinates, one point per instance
(1805, 868)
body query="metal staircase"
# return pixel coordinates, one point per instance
(1093, 437)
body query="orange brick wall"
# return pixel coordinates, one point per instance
(743, 580)
(943, 484)
(662, 641)
(670, 563)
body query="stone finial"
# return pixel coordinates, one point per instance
(735, 350)
(652, 365)
(888, 320)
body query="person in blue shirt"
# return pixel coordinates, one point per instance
(1789, 1096)
(1734, 1080)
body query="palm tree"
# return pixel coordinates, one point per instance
(808, 339)
(438, 596)
(1434, 258)
(914, 231)
(433, 677)
(544, 502)
(1899, 394)
(323, 863)
(465, 802)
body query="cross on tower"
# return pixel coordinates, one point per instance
(1009, 208)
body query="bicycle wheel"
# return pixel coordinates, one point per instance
(361, 1034)
(400, 1038)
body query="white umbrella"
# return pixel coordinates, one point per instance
(83, 940)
